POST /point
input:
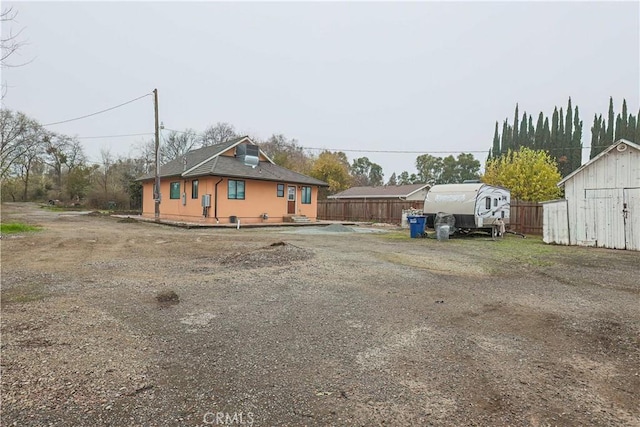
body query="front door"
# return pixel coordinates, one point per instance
(291, 199)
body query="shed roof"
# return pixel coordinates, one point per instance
(598, 157)
(380, 192)
(207, 161)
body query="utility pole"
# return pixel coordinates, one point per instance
(156, 192)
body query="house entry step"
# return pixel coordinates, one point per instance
(296, 218)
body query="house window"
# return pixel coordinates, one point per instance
(194, 189)
(174, 192)
(306, 195)
(487, 202)
(236, 189)
(280, 190)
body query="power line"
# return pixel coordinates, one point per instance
(395, 151)
(97, 112)
(114, 136)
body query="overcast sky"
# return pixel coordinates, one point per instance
(425, 77)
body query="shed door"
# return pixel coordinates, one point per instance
(291, 199)
(604, 220)
(631, 212)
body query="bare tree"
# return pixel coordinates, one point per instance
(63, 154)
(18, 135)
(146, 152)
(107, 162)
(10, 42)
(287, 153)
(178, 144)
(221, 132)
(30, 157)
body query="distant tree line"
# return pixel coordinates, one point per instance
(605, 132)
(40, 165)
(561, 136)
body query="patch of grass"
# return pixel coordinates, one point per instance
(58, 208)
(23, 294)
(17, 227)
(53, 208)
(514, 249)
(396, 235)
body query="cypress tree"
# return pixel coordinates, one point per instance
(618, 133)
(506, 138)
(546, 135)
(495, 149)
(561, 133)
(604, 137)
(515, 143)
(538, 138)
(531, 133)
(554, 133)
(631, 126)
(610, 123)
(522, 134)
(568, 128)
(561, 147)
(576, 141)
(623, 133)
(637, 139)
(595, 136)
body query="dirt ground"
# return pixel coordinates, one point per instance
(303, 326)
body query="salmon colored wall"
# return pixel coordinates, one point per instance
(260, 197)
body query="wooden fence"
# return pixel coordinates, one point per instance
(526, 217)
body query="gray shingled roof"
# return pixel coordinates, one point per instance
(386, 191)
(207, 161)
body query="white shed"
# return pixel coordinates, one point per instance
(602, 202)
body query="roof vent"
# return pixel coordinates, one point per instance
(249, 154)
(621, 147)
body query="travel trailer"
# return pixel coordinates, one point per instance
(475, 206)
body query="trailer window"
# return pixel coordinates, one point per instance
(495, 203)
(487, 203)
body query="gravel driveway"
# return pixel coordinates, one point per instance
(284, 327)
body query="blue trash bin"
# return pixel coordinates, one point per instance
(416, 225)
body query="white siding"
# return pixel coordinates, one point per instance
(555, 224)
(595, 199)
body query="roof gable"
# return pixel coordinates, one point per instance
(598, 157)
(219, 149)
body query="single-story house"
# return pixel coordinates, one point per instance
(601, 205)
(228, 183)
(410, 192)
